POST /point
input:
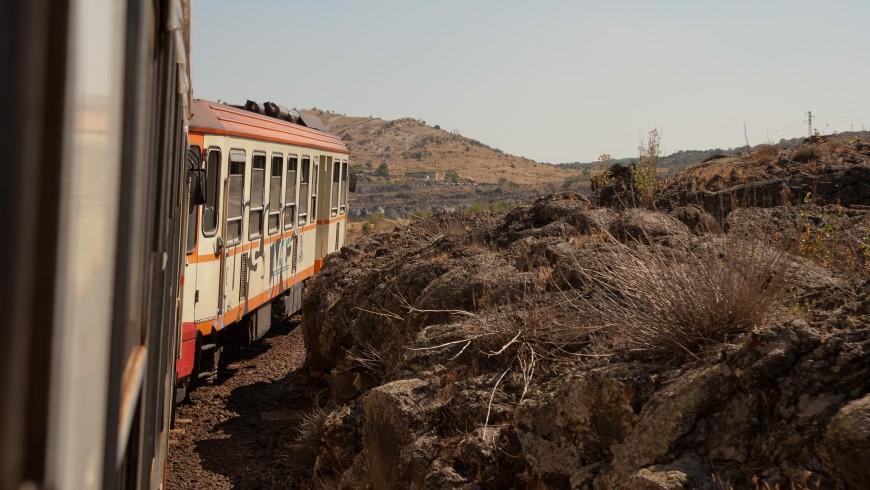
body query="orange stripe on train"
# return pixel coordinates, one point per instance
(234, 314)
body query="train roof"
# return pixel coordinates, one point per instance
(214, 118)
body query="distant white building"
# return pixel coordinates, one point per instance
(422, 175)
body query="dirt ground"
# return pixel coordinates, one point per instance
(239, 432)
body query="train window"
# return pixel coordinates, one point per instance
(290, 193)
(275, 178)
(314, 174)
(213, 179)
(257, 192)
(344, 187)
(304, 182)
(336, 181)
(234, 204)
(190, 246)
(193, 157)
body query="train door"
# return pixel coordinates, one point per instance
(333, 191)
(273, 227)
(235, 280)
(291, 192)
(256, 234)
(313, 214)
(195, 191)
(193, 185)
(206, 302)
(329, 205)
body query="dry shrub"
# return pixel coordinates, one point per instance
(828, 239)
(677, 300)
(806, 483)
(354, 230)
(645, 173)
(307, 442)
(522, 334)
(809, 152)
(366, 358)
(522, 338)
(334, 480)
(765, 154)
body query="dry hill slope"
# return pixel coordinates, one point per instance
(409, 145)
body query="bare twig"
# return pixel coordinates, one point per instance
(491, 397)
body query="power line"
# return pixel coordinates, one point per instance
(844, 112)
(791, 128)
(845, 118)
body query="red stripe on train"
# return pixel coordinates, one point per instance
(184, 364)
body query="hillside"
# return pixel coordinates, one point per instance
(674, 162)
(408, 145)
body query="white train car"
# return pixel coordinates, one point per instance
(275, 204)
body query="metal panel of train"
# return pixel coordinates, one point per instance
(135, 248)
(93, 106)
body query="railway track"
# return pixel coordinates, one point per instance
(239, 432)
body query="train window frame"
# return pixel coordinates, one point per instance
(304, 179)
(193, 211)
(213, 192)
(315, 181)
(335, 187)
(277, 211)
(256, 208)
(345, 168)
(291, 204)
(231, 241)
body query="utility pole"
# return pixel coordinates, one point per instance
(809, 124)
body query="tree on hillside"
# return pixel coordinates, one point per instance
(646, 172)
(383, 170)
(451, 176)
(602, 177)
(505, 182)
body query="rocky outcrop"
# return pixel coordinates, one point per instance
(645, 225)
(466, 351)
(399, 451)
(826, 170)
(568, 426)
(846, 446)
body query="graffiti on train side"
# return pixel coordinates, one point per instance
(281, 257)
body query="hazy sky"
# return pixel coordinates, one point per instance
(555, 81)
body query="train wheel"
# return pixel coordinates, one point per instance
(210, 353)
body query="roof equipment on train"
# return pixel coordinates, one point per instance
(280, 112)
(253, 106)
(277, 111)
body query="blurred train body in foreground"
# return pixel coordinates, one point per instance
(137, 241)
(93, 107)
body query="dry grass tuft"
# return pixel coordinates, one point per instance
(827, 239)
(675, 301)
(307, 442)
(367, 359)
(522, 338)
(810, 152)
(334, 480)
(806, 483)
(523, 334)
(765, 154)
